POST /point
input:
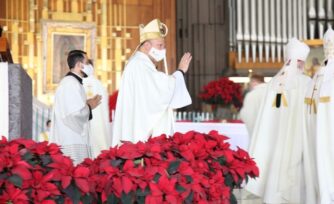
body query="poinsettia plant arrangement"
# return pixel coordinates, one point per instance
(33, 172)
(222, 92)
(185, 168)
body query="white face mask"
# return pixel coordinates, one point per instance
(156, 54)
(88, 69)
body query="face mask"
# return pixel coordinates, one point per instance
(156, 54)
(88, 69)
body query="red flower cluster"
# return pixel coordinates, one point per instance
(112, 103)
(222, 92)
(185, 168)
(33, 172)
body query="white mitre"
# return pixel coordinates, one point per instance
(153, 30)
(297, 50)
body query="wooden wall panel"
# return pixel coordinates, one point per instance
(203, 29)
(116, 27)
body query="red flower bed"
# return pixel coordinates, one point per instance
(222, 92)
(185, 168)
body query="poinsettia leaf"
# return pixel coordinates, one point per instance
(140, 192)
(229, 180)
(179, 188)
(222, 161)
(112, 199)
(73, 192)
(140, 199)
(156, 177)
(116, 162)
(189, 179)
(233, 199)
(126, 197)
(87, 199)
(173, 167)
(29, 158)
(46, 159)
(189, 198)
(16, 180)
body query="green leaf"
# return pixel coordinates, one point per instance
(140, 192)
(73, 192)
(180, 188)
(222, 161)
(229, 180)
(87, 199)
(116, 162)
(156, 177)
(29, 157)
(189, 198)
(189, 179)
(126, 198)
(173, 167)
(233, 199)
(112, 199)
(46, 159)
(16, 180)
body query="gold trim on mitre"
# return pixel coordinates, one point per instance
(153, 30)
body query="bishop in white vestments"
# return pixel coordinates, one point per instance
(277, 140)
(320, 123)
(147, 97)
(72, 112)
(100, 136)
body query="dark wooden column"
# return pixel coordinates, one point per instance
(203, 30)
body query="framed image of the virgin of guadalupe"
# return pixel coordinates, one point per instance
(59, 38)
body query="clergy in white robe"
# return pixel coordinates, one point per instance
(320, 122)
(72, 112)
(100, 136)
(147, 97)
(252, 102)
(277, 142)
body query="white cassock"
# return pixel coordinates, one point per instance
(277, 139)
(320, 121)
(100, 137)
(146, 100)
(251, 106)
(70, 119)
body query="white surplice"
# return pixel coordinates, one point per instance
(100, 136)
(4, 100)
(251, 106)
(320, 119)
(70, 119)
(146, 100)
(277, 140)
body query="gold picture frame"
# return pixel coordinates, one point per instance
(58, 39)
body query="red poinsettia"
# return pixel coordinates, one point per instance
(222, 92)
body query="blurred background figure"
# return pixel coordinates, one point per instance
(252, 101)
(44, 136)
(99, 125)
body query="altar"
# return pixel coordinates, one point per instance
(237, 132)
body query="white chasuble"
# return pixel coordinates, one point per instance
(277, 140)
(70, 119)
(251, 106)
(100, 136)
(324, 137)
(146, 100)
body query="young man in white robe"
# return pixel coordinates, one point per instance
(277, 140)
(252, 102)
(147, 97)
(319, 102)
(100, 136)
(72, 111)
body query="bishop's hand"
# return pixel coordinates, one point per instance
(95, 101)
(185, 61)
